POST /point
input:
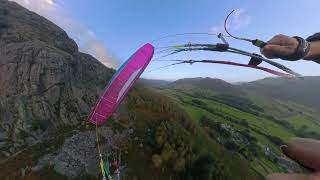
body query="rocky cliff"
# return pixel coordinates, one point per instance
(45, 82)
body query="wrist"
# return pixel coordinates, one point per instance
(314, 52)
(301, 50)
(309, 56)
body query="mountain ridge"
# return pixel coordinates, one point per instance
(302, 91)
(278, 88)
(212, 84)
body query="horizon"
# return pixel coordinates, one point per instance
(237, 82)
(102, 31)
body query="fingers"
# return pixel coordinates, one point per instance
(279, 176)
(304, 151)
(280, 46)
(280, 39)
(275, 51)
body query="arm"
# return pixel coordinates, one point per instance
(284, 47)
(314, 52)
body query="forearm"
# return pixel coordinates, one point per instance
(314, 52)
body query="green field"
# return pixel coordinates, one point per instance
(278, 122)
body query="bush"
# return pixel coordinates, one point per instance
(207, 168)
(179, 165)
(202, 168)
(199, 103)
(157, 161)
(276, 140)
(244, 123)
(232, 146)
(35, 125)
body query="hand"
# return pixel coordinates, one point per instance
(307, 153)
(280, 45)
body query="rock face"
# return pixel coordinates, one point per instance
(45, 81)
(78, 155)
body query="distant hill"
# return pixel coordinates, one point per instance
(302, 91)
(153, 83)
(217, 85)
(252, 119)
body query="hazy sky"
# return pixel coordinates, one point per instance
(117, 28)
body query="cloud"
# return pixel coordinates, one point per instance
(237, 20)
(86, 39)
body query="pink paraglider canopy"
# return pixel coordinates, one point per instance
(120, 84)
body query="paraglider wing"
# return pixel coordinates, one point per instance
(120, 84)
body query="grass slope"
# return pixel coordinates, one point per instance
(275, 121)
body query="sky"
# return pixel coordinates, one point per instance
(112, 30)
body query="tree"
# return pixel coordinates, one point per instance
(202, 168)
(179, 165)
(157, 161)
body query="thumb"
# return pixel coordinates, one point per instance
(305, 151)
(276, 51)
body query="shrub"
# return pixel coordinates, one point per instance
(157, 161)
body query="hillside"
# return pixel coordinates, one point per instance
(47, 88)
(153, 83)
(302, 91)
(213, 85)
(253, 124)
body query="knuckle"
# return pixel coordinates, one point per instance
(268, 55)
(279, 36)
(266, 48)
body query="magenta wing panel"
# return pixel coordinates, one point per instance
(120, 84)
